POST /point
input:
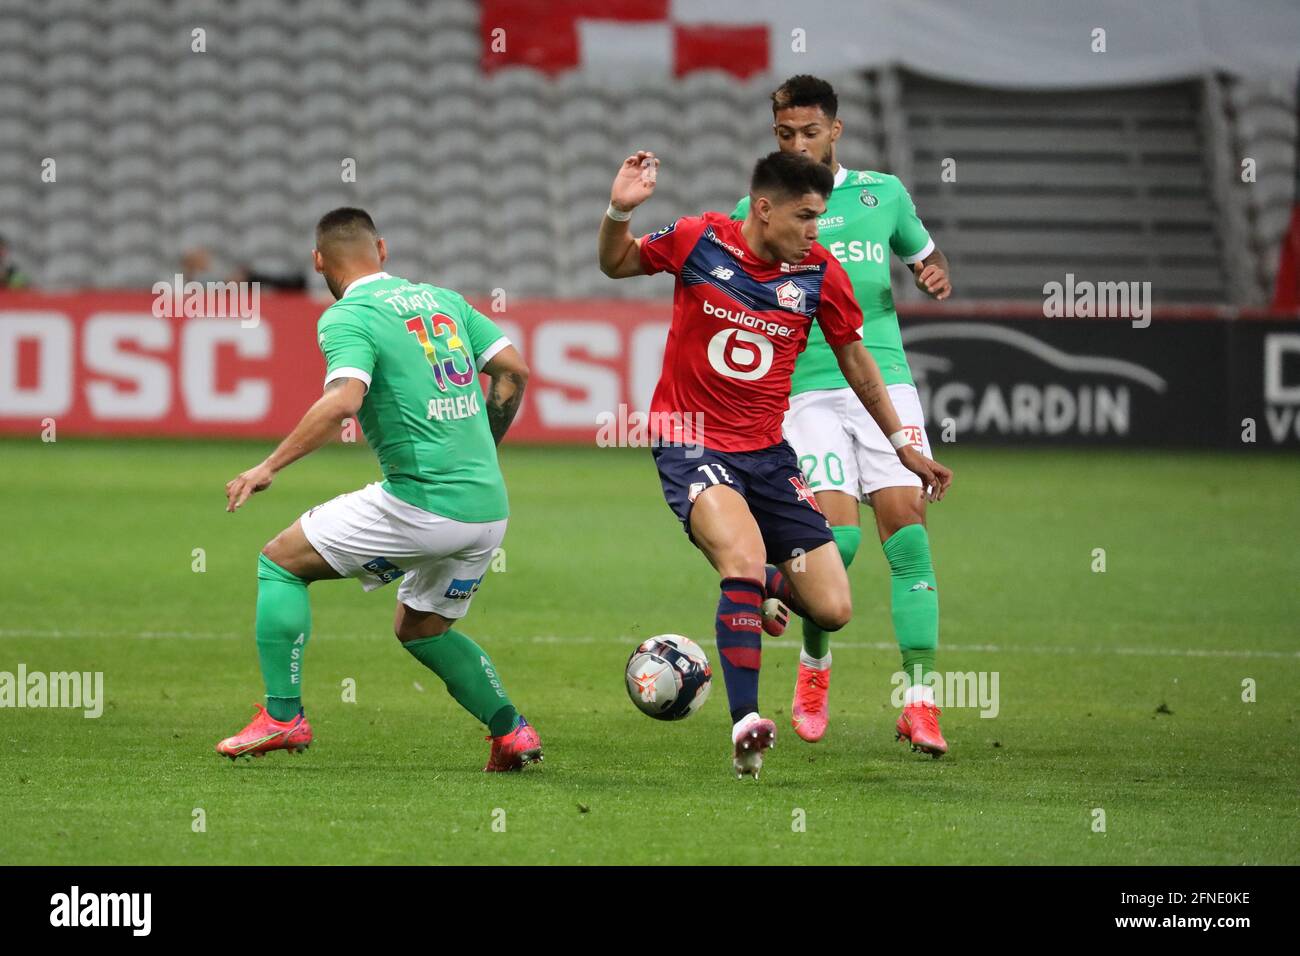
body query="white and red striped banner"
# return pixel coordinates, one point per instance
(1103, 43)
(104, 364)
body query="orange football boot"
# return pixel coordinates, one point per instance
(264, 733)
(809, 713)
(515, 750)
(919, 726)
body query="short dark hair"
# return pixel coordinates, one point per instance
(805, 90)
(789, 176)
(345, 224)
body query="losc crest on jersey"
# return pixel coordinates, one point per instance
(790, 296)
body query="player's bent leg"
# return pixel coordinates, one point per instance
(810, 709)
(725, 530)
(841, 510)
(914, 603)
(291, 551)
(723, 527)
(819, 586)
(285, 567)
(283, 626)
(412, 625)
(472, 681)
(434, 595)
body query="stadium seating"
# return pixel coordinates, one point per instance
(496, 180)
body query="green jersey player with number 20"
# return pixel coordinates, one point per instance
(405, 358)
(843, 453)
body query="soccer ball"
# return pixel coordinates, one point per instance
(668, 677)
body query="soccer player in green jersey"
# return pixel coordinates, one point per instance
(405, 358)
(843, 453)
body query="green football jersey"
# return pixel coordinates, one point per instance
(867, 215)
(419, 349)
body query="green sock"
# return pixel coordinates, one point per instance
(470, 677)
(915, 600)
(816, 642)
(283, 629)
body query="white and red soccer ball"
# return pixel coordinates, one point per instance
(668, 677)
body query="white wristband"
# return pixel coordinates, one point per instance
(618, 215)
(899, 439)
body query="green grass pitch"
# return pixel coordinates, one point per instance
(1199, 594)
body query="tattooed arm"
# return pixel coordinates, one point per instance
(509, 376)
(863, 375)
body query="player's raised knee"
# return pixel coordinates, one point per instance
(274, 548)
(410, 625)
(834, 614)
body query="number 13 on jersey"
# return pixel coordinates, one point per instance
(445, 368)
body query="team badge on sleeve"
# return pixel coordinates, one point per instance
(659, 234)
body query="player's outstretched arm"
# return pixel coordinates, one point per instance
(863, 375)
(342, 400)
(620, 256)
(508, 376)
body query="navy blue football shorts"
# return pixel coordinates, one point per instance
(768, 479)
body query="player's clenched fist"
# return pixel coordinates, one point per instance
(635, 181)
(933, 281)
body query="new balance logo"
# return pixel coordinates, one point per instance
(921, 586)
(722, 272)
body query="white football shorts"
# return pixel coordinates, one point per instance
(376, 538)
(840, 446)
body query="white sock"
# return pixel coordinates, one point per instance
(817, 664)
(918, 694)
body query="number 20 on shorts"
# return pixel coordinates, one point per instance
(831, 465)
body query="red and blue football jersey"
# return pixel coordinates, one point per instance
(739, 322)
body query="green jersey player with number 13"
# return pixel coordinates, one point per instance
(843, 453)
(405, 358)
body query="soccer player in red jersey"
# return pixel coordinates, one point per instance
(745, 297)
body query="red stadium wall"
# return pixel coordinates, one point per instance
(104, 364)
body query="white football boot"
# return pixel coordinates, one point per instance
(750, 737)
